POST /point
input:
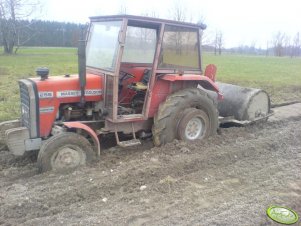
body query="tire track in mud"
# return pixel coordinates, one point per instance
(210, 182)
(245, 157)
(262, 176)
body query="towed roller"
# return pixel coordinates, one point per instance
(242, 103)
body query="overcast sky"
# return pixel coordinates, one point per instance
(242, 22)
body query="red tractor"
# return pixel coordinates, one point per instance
(137, 76)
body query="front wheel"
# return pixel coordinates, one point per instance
(65, 151)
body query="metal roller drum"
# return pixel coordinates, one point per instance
(245, 104)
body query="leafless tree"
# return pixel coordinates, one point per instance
(218, 42)
(28, 34)
(145, 34)
(279, 43)
(12, 11)
(296, 45)
(178, 11)
(205, 37)
(287, 48)
(151, 13)
(267, 49)
(122, 9)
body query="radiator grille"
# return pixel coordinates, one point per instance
(25, 105)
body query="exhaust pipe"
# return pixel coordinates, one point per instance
(82, 66)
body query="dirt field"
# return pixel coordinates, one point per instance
(229, 179)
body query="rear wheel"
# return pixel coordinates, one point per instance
(189, 114)
(193, 125)
(65, 151)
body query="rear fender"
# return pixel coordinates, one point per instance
(203, 81)
(78, 125)
(210, 85)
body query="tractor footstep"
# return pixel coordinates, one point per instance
(129, 143)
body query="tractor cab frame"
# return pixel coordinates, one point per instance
(143, 60)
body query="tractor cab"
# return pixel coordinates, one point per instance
(139, 56)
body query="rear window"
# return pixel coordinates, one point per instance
(179, 48)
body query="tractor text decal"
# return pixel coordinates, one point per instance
(45, 94)
(46, 110)
(76, 93)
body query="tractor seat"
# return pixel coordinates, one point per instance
(139, 86)
(142, 86)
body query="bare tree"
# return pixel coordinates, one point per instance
(267, 49)
(178, 11)
(122, 9)
(218, 42)
(204, 36)
(28, 34)
(278, 43)
(151, 13)
(296, 45)
(145, 34)
(287, 48)
(12, 11)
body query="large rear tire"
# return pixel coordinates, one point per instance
(65, 151)
(182, 111)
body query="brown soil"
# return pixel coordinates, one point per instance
(229, 179)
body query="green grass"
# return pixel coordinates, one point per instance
(23, 65)
(276, 71)
(281, 77)
(59, 60)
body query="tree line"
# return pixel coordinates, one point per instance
(284, 45)
(62, 34)
(44, 33)
(280, 44)
(16, 31)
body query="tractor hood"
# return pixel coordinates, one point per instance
(66, 89)
(41, 98)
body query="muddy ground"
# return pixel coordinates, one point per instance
(229, 179)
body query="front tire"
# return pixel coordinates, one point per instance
(65, 151)
(178, 110)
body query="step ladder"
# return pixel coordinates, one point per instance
(127, 143)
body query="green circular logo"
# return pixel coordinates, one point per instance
(282, 214)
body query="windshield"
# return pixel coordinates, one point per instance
(102, 45)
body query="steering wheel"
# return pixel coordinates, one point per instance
(125, 75)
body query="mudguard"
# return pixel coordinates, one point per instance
(90, 131)
(204, 81)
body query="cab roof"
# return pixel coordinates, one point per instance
(147, 20)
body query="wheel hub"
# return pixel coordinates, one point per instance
(194, 128)
(67, 157)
